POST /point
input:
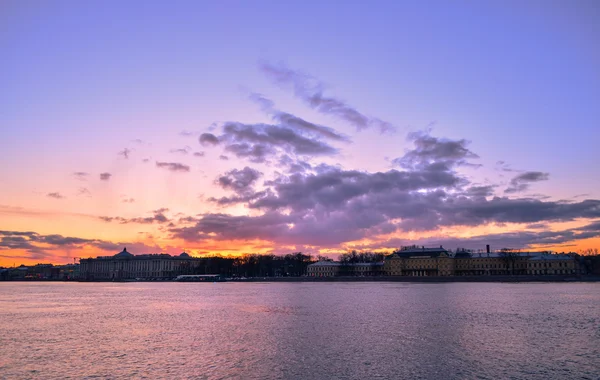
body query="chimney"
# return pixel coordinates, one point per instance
(487, 248)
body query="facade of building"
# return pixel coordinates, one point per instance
(425, 262)
(125, 265)
(415, 261)
(333, 268)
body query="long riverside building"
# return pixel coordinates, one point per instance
(125, 265)
(425, 262)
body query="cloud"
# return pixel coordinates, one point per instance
(434, 153)
(258, 142)
(208, 139)
(84, 191)
(310, 91)
(294, 122)
(173, 166)
(522, 181)
(128, 200)
(158, 216)
(239, 181)
(81, 176)
(181, 150)
(125, 153)
(51, 247)
(327, 206)
(223, 157)
(185, 133)
(198, 154)
(55, 195)
(105, 176)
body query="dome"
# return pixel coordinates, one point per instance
(184, 255)
(123, 254)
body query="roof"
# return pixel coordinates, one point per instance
(338, 264)
(420, 252)
(547, 256)
(123, 254)
(325, 264)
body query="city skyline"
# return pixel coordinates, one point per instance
(232, 130)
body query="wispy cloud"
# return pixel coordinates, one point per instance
(105, 176)
(185, 150)
(84, 191)
(522, 181)
(173, 166)
(55, 195)
(310, 90)
(125, 153)
(81, 176)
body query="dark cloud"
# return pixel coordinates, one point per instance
(81, 176)
(327, 206)
(198, 154)
(522, 181)
(519, 240)
(223, 157)
(157, 217)
(239, 181)
(288, 120)
(173, 166)
(105, 176)
(55, 195)
(258, 142)
(310, 91)
(434, 153)
(208, 139)
(125, 153)
(45, 247)
(480, 191)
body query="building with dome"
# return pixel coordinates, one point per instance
(127, 266)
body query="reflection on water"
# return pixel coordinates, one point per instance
(299, 330)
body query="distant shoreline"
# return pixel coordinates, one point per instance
(408, 279)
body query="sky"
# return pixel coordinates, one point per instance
(273, 127)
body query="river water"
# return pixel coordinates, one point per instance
(299, 330)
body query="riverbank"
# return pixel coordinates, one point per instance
(430, 279)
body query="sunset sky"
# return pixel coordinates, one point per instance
(241, 127)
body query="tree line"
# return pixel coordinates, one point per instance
(269, 265)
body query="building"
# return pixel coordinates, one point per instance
(415, 261)
(125, 265)
(545, 263)
(419, 261)
(427, 262)
(334, 268)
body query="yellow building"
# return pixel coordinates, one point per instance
(546, 264)
(421, 261)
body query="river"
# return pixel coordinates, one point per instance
(340, 330)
